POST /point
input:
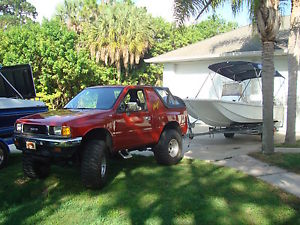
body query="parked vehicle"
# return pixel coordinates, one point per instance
(101, 122)
(16, 90)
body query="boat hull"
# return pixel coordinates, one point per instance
(221, 113)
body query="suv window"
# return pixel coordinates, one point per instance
(95, 98)
(168, 99)
(133, 101)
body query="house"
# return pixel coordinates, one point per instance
(186, 70)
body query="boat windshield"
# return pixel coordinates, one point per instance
(95, 98)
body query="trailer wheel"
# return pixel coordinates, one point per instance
(3, 155)
(94, 164)
(228, 135)
(35, 169)
(168, 151)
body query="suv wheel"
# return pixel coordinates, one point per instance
(168, 151)
(35, 169)
(3, 156)
(94, 164)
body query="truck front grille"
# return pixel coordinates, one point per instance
(35, 129)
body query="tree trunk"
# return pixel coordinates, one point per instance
(119, 72)
(268, 94)
(293, 66)
(268, 23)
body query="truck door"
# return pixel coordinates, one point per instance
(133, 124)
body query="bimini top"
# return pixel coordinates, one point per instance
(16, 81)
(239, 70)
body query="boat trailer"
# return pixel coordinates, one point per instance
(236, 128)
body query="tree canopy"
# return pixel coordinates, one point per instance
(14, 12)
(121, 35)
(62, 57)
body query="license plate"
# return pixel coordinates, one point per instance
(30, 145)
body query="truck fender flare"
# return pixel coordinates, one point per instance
(172, 125)
(100, 134)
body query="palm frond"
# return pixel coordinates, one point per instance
(184, 9)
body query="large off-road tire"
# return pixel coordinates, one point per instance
(3, 156)
(34, 168)
(168, 151)
(228, 135)
(94, 166)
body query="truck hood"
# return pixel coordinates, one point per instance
(62, 117)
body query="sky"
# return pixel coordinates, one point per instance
(163, 8)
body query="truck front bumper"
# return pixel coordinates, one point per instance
(47, 147)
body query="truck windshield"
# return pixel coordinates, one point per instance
(95, 98)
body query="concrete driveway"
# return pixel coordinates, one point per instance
(217, 147)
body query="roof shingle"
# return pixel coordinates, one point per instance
(235, 42)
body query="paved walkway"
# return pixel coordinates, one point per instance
(233, 153)
(276, 176)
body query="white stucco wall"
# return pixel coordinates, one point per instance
(186, 78)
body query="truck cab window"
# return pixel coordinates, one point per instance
(134, 101)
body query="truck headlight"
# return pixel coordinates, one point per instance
(63, 131)
(18, 127)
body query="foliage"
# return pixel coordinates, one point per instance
(185, 9)
(76, 12)
(14, 12)
(60, 71)
(142, 192)
(59, 50)
(121, 35)
(168, 37)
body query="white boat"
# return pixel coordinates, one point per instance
(224, 113)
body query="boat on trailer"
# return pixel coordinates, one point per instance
(16, 93)
(233, 112)
(223, 113)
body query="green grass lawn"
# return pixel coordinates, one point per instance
(288, 161)
(296, 145)
(142, 192)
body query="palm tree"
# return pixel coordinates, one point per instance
(268, 23)
(120, 36)
(293, 66)
(265, 14)
(76, 12)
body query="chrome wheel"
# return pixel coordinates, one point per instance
(103, 166)
(173, 148)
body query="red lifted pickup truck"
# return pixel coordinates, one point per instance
(101, 122)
